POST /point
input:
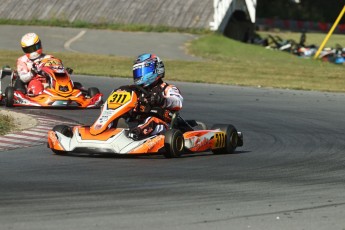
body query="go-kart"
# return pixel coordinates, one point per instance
(106, 136)
(51, 87)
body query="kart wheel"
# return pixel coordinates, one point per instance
(64, 130)
(92, 91)
(77, 85)
(231, 139)
(173, 143)
(59, 152)
(9, 96)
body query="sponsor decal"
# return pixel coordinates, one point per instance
(106, 114)
(219, 140)
(152, 142)
(198, 143)
(98, 127)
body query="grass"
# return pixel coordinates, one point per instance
(6, 124)
(103, 25)
(243, 64)
(225, 62)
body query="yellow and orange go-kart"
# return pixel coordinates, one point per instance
(106, 136)
(52, 87)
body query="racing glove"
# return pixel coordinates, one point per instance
(135, 133)
(156, 99)
(34, 70)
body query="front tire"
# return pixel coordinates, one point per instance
(173, 143)
(78, 85)
(92, 91)
(231, 139)
(9, 96)
(64, 130)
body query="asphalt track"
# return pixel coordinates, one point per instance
(288, 175)
(117, 43)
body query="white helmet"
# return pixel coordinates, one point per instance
(31, 45)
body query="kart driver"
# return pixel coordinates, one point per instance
(28, 64)
(148, 72)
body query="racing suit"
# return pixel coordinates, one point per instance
(24, 69)
(171, 101)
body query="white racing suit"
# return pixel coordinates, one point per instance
(24, 66)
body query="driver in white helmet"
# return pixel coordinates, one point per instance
(28, 64)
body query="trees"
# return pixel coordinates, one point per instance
(306, 10)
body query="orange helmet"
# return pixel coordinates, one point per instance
(31, 45)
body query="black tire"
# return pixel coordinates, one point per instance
(58, 152)
(173, 143)
(9, 96)
(231, 139)
(92, 91)
(77, 85)
(64, 130)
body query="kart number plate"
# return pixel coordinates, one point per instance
(117, 99)
(219, 140)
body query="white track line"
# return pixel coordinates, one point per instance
(67, 44)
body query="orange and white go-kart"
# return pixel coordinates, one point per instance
(105, 136)
(51, 87)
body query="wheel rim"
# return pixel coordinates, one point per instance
(233, 139)
(179, 144)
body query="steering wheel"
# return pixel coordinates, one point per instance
(136, 88)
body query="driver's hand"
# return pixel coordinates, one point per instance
(34, 69)
(156, 99)
(143, 107)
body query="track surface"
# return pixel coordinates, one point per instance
(129, 44)
(289, 174)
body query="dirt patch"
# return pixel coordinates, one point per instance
(21, 121)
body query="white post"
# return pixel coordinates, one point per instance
(221, 11)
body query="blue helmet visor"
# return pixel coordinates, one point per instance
(142, 69)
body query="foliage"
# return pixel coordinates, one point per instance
(6, 124)
(307, 10)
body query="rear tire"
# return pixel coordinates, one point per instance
(231, 139)
(9, 96)
(173, 143)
